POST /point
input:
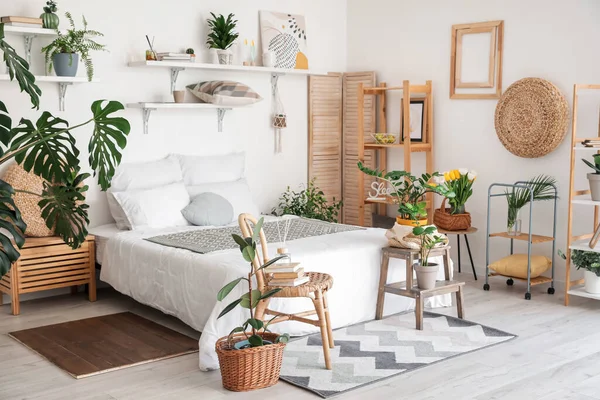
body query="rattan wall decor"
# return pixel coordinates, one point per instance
(531, 118)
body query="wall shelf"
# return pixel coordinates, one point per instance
(28, 35)
(62, 81)
(147, 109)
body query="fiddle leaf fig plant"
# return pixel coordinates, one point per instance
(48, 149)
(252, 297)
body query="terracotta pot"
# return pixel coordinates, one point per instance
(426, 276)
(410, 222)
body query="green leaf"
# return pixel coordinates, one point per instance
(11, 221)
(236, 330)
(239, 240)
(249, 253)
(46, 148)
(64, 210)
(283, 338)
(418, 231)
(271, 261)
(107, 141)
(229, 307)
(227, 289)
(255, 323)
(5, 128)
(257, 228)
(245, 299)
(270, 293)
(18, 68)
(256, 341)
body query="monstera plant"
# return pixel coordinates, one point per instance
(47, 148)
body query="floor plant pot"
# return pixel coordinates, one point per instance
(426, 276)
(65, 64)
(252, 368)
(410, 222)
(592, 282)
(594, 180)
(225, 57)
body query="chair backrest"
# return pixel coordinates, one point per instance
(247, 223)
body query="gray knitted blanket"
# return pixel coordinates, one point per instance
(215, 239)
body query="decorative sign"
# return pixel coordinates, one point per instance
(381, 192)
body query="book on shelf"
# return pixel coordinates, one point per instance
(289, 275)
(289, 282)
(21, 20)
(167, 54)
(23, 25)
(289, 267)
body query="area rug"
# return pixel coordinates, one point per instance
(368, 352)
(92, 346)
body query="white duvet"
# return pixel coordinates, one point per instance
(185, 284)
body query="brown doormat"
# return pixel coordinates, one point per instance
(92, 346)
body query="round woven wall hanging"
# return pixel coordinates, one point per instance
(531, 118)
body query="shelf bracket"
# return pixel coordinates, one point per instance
(62, 92)
(28, 43)
(220, 115)
(174, 75)
(146, 117)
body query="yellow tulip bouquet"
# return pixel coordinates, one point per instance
(460, 181)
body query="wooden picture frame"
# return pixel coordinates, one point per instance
(494, 76)
(421, 134)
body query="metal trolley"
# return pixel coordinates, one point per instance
(529, 237)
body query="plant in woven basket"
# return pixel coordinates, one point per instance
(310, 202)
(410, 190)
(221, 35)
(540, 188)
(460, 181)
(47, 148)
(74, 42)
(252, 297)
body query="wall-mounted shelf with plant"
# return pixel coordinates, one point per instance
(222, 35)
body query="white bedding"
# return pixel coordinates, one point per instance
(185, 284)
(102, 234)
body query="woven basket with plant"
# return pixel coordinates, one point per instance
(455, 218)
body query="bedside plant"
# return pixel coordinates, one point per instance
(222, 36)
(594, 177)
(64, 52)
(310, 202)
(47, 148)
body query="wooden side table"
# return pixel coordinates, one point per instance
(465, 233)
(48, 263)
(409, 289)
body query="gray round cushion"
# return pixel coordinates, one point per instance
(208, 209)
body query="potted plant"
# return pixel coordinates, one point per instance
(49, 19)
(192, 54)
(222, 36)
(594, 177)
(427, 271)
(590, 262)
(409, 192)
(250, 359)
(310, 202)
(543, 187)
(460, 181)
(64, 52)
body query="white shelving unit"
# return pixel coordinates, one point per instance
(147, 109)
(28, 35)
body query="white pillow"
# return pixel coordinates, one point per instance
(157, 208)
(237, 193)
(145, 175)
(198, 170)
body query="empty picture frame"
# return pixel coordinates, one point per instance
(476, 60)
(418, 111)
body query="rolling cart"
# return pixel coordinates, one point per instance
(529, 237)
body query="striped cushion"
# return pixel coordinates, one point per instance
(226, 93)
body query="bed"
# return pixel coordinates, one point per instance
(184, 283)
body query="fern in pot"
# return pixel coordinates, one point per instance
(594, 177)
(64, 52)
(222, 35)
(250, 344)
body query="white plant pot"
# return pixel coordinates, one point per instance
(225, 57)
(426, 276)
(592, 282)
(594, 180)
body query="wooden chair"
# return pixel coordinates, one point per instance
(316, 289)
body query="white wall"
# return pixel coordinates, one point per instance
(177, 25)
(554, 40)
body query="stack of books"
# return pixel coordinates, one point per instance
(25, 22)
(286, 274)
(174, 57)
(591, 143)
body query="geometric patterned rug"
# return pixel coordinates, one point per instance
(371, 351)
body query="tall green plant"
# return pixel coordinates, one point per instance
(517, 198)
(75, 41)
(221, 35)
(47, 148)
(310, 202)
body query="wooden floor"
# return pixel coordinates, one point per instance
(555, 357)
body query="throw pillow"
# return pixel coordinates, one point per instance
(516, 266)
(224, 93)
(209, 209)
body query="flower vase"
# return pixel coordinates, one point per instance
(458, 209)
(513, 226)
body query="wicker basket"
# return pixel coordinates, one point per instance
(451, 222)
(249, 369)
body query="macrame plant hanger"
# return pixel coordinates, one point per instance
(279, 116)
